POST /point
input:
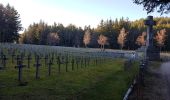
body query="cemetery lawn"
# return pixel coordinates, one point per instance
(106, 81)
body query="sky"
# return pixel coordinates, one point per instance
(77, 12)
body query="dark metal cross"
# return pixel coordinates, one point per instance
(77, 61)
(66, 62)
(4, 58)
(72, 63)
(46, 59)
(59, 63)
(37, 65)
(19, 66)
(49, 67)
(150, 23)
(19, 59)
(29, 59)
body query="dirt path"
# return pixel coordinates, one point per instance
(157, 83)
(165, 71)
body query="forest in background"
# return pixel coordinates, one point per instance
(73, 36)
(114, 34)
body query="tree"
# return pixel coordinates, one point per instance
(102, 40)
(53, 39)
(151, 5)
(71, 35)
(122, 37)
(160, 38)
(87, 38)
(141, 40)
(10, 24)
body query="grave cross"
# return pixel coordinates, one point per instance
(37, 65)
(59, 63)
(29, 59)
(66, 62)
(72, 63)
(152, 52)
(4, 58)
(1, 55)
(49, 67)
(52, 57)
(81, 61)
(62, 60)
(19, 66)
(19, 59)
(46, 59)
(150, 23)
(77, 62)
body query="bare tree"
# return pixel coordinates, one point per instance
(53, 38)
(102, 40)
(122, 37)
(141, 40)
(87, 38)
(160, 38)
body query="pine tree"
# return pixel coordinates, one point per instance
(10, 24)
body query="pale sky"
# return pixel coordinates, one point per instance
(77, 12)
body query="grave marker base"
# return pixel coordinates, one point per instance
(153, 54)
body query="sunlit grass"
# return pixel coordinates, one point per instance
(103, 81)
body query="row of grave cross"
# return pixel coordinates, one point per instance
(49, 61)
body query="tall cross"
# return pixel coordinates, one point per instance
(150, 23)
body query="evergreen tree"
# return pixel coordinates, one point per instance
(10, 24)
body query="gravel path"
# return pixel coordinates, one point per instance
(157, 83)
(165, 71)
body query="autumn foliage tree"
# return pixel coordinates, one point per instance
(74, 36)
(141, 40)
(122, 38)
(53, 39)
(160, 38)
(87, 38)
(102, 41)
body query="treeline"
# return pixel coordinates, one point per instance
(57, 34)
(115, 34)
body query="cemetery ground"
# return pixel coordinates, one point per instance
(98, 79)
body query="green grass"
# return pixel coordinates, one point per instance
(105, 81)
